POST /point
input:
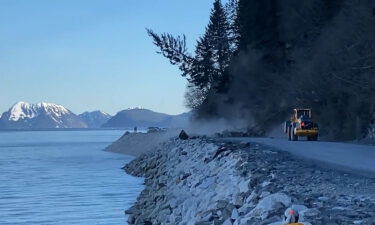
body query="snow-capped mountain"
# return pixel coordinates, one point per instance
(95, 119)
(23, 115)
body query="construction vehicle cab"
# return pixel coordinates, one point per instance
(301, 125)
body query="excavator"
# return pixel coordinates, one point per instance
(301, 124)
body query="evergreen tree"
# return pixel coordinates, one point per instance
(213, 51)
(232, 10)
(174, 49)
(212, 55)
(218, 34)
(203, 71)
(258, 24)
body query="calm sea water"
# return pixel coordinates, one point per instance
(63, 177)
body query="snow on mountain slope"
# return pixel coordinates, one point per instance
(22, 110)
(95, 119)
(23, 115)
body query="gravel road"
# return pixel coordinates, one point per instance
(359, 159)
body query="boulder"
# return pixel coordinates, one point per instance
(131, 219)
(183, 135)
(235, 214)
(270, 203)
(244, 186)
(238, 201)
(227, 222)
(221, 204)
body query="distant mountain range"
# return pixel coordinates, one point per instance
(95, 119)
(144, 118)
(23, 115)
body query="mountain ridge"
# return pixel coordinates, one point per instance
(139, 117)
(95, 119)
(23, 115)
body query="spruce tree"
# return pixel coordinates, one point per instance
(203, 71)
(232, 11)
(213, 51)
(208, 67)
(218, 33)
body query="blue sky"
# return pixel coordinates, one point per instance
(94, 54)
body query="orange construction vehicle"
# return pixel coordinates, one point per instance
(301, 125)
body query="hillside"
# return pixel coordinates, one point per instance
(95, 119)
(144, 118)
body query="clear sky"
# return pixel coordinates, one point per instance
(94, 54)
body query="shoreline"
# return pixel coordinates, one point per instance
(136, 144)
(209, 181)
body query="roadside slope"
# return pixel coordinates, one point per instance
(204, 181)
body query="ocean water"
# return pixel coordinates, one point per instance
(63, 177)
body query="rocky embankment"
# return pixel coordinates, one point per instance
(200, 181)
(136, 144)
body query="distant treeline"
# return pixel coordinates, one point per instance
(257, 60)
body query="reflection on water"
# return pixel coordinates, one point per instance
(63, 177)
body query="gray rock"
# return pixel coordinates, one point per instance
(227, 222)
(131, 219)
(244, 209)
(183, 189)
(207, 216)
(236, 222)
(238, 201)
(221, 204)
(252, 197)
(244, 186)
(311, 213)
(323, 199)
(235, 215)
(183, 135)
(226, 213)
(132, 210)
(270, 203)
(203, 223)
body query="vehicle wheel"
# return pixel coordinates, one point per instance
(293, 136)
(309, 138)
(314, 138)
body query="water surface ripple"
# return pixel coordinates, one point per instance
(63, 177)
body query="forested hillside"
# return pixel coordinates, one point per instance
(259, 59)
